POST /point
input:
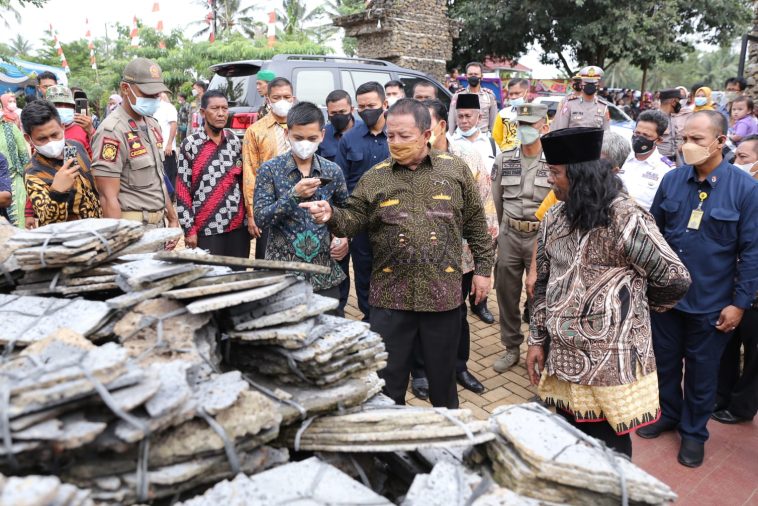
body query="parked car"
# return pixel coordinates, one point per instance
(621, 122)
(313, 78)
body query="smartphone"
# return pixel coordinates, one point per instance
(325, 180)
(81, 105)
(69, 152)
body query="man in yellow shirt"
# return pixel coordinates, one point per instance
(505, 129)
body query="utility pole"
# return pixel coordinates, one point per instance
(214, 10)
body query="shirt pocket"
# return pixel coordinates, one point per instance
(354, 157)
(722, 225)
(670, 210)
(141, 173)
(511, 186)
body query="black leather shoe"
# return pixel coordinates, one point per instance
(654, 430)
(726, 416)
(483, 313)
(420, 388)
(691, 453)
(469, 382)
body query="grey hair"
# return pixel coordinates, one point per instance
(615, 148)
(419, 111)
(660, 120)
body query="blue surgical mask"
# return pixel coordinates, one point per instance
(468, 133)
(144, 106)
(528, 134)
(67, 115)
(701, 101)
(517, 101)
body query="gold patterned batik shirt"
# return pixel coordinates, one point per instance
(415, 221)
(594, 294)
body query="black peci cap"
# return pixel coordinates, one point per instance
(572, 145)
(670, 93)
(467, 101)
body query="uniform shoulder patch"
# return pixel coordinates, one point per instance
(667, 161)
(572, 97)
(443, 156)
(109, 149)
(382, 165)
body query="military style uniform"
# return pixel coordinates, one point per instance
(133, 152)
(487, 108)
(578, 112)
(518, 188)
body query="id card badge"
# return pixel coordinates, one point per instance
(695, 218)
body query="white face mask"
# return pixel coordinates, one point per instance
(747, 167)
(281, 108)
(53, 149)
(303, 149)
(194, 92)
(392, 101)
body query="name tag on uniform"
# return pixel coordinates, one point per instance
(577, 114)
(650, 175)
(543, 173)
(695, 218)
(511, 167)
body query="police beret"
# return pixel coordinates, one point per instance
(572, 145)
(467, 101)
(670, 93)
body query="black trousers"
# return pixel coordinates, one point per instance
(260, 245)
(234, 244)
(602, 431)
(363, 259)
(345, 285)
(169, 167)
(464, 343)
(332, 293)
(438, 334)
(739, 392)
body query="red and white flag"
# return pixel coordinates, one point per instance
(59, 50)
(91, 46)
(135, 32)
(159, 24)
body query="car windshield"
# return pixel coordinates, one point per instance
(235, 89)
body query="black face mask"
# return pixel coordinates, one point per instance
(340, 121)
(371, 116)
(214, 130)
(590, 88)
(677, 107)
(641, 145)
(474, 81)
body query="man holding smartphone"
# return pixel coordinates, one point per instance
(76, 128)
(58, 180)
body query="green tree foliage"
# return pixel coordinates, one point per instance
(597, 32)
(231, 17)
(337, 8)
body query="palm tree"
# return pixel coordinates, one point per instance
(337, 8)
(21, 46)
(295, 16)
(230, 16)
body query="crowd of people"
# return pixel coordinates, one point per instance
(641, 258)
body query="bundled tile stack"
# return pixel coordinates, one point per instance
(310, 481)
(539, 455)
(41, 491)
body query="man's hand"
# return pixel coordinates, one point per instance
(480, 287)
(65, 177)
(252, 228)
(339, 248)
(535, 356)
(168, 150)
(306, 187)
(531, 280)
(30, 222)
(173, 222)
(321, 211)
(729, 319)
(190, 241)
(85, 122)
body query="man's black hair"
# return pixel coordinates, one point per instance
(655, 116)
(741, 82)
(437, 109)
(183, 95)
(426, 84)
(47, 75)
(202, 84)
(418, 110)
(207, 96)
(338, 95)
(718, 121)
(305, 113)
(475, 64)
(279, 82)
(371, 87)
(518, 81)
(592, 188)
(38, 113)
(394, 84)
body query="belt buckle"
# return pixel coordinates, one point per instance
(524, 226)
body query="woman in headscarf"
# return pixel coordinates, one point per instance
(10, 110)
(703, 100)
(14, 148)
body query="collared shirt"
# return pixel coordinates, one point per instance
(483, 183)
(594, 292)
(294, 236)
(208, 184)
(577, 112)
(415, 220)
(722, 254)
(519, 185)
(487, 109)
(642, 177)
(329, 147)
(264, 140)
(483, 144)
(667, 146)
(359, 150)
(50, 206)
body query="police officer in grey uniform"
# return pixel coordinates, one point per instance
(585, 109)
(128, 152)
(519, 185)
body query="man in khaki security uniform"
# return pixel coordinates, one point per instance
(584, 109)
(127, 152)
(519, 185)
